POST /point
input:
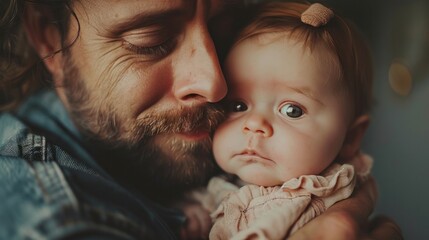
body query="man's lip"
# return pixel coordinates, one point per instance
(194, 135)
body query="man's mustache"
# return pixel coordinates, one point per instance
(185, 120)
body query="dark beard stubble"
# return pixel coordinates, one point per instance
(135, 158)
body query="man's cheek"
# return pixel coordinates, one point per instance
(143, 86)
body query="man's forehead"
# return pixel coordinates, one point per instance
(124, 8)
(128, 7)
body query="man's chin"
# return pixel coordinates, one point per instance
(183, 146)
(173, 163)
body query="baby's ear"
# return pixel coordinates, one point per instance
(353, 140)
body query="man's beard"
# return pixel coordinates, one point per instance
(149, 155)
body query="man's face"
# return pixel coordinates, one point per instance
(141, 78)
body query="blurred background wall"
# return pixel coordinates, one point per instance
(398, 137)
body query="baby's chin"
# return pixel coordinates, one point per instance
(257, 172)
(260, 180)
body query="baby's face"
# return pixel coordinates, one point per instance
(287, 115)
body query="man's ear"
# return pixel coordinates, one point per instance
(353, 140)
(43, 34)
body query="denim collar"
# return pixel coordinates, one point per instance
(46, 109)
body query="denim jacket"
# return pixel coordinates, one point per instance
(51, 187)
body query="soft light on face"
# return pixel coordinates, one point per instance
(287, 117)
(141, 78)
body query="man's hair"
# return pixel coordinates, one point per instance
(21, 70)
(339, 36)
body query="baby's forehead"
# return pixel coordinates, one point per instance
(281, 43)
(295, 37)
(270, 37)
(247, 51)
(318, 50)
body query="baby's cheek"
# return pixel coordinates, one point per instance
(219, 149)
(223, 135)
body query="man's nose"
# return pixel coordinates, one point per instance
(198, 75)
(256, 123)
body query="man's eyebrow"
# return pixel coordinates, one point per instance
(145, 19)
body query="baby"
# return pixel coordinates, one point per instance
(299, 95)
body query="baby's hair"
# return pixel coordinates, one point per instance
(335, 33)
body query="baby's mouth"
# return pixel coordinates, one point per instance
(251, 156)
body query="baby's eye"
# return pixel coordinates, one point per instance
(291, 110)
(237, 106)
